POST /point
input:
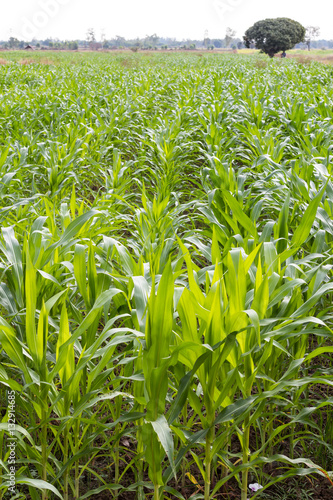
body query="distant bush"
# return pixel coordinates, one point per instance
(303, 60)
(260, 63)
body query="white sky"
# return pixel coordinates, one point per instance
(70, 19)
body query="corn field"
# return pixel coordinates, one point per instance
(165, 276)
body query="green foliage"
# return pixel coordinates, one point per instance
(274, 35)
(165, 274)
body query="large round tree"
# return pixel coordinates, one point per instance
(274, 35)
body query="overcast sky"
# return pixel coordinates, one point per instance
(182, 19)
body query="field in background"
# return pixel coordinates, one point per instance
(166, 276)
(305, 56)
(53, 57)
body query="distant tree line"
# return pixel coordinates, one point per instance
(316, 44)
(48, 44)
(155, 42)
(149, 42)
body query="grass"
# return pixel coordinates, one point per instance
(165, 275)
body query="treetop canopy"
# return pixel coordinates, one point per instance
(274, 35)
